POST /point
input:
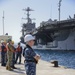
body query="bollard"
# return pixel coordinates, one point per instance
(55, 63)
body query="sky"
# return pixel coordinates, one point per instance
(43, 10)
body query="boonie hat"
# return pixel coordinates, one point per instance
(28, 37)
(9, 40)
(19, 43)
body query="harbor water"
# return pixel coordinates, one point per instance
(64, 57)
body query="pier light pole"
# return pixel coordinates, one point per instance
(59, 8)
(3, 22)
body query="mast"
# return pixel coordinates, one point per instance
(59, 8)
(28, 15)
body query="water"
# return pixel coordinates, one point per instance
(64, 58)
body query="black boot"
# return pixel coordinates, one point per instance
(3, 64)
(13, 67)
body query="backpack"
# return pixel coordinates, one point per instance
(24, 51)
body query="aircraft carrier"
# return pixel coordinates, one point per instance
(52, 34)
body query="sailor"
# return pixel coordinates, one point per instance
(10, 51)
(18, 53)
(3, 53)
(13, 57)
(31, 58)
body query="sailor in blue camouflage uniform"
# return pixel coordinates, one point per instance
(31, 58)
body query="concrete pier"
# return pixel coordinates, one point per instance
(43, 68)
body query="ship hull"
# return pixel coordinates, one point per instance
(65, 42)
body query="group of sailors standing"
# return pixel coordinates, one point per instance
(10, 54)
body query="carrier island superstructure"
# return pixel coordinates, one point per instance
(52, 34)
(29, 25)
